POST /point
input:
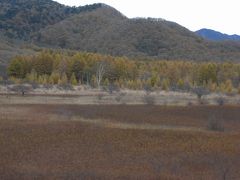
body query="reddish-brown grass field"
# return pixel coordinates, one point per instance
(118, 142)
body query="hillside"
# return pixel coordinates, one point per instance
(101, 29)
(10, 48)
(216, 36)
(20, 18)
(107, 31)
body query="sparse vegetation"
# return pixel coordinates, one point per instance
(149, 99)
(108, 97)
(53, 137)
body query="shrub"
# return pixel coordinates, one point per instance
(228, 86)
(220, 101)
(1, 80)
(165, 84)
(67, 87)
(73, 80)
(35, 85)
(180, 84)
(147, 88)
(100, 96)
(63, 80)
(119, 97)
(113, 87)
(149, 99)
(21, 89)
(200, 91)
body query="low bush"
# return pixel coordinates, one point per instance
(149, 99)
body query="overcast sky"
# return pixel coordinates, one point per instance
(220, 15)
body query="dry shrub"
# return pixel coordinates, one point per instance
(68, 87)
(220, 101)
(149, 99)
(120, 96)
(200, 92)
(100, 96)
(21, 88)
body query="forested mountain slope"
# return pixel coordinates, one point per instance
(100, 28)
(20, 18)
(107, 31)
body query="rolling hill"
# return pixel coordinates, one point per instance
(107, 31)
(217, 36)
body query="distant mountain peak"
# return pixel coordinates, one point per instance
(216, 35)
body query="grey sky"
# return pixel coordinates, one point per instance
(221, 15)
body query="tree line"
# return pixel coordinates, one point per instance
(75, 68)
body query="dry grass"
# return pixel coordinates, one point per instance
(81, 96)
(46, 142)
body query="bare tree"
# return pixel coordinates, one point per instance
(101, 70)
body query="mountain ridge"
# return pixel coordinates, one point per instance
(107, 31)
(216, 35)
(100, 28)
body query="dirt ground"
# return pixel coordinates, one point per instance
(118, 142)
